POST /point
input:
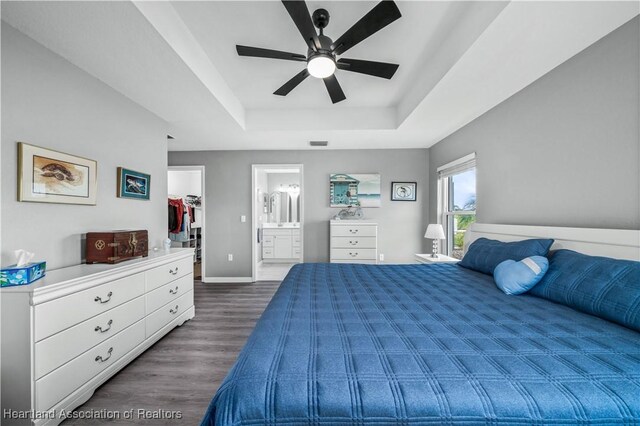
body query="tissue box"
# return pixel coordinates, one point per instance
(14, 275)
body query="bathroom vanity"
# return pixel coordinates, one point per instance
(281, 243)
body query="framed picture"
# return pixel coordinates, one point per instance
(353, 189)
(48, 176)
(403, 191)
(132, 184)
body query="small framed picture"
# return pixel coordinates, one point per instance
(132, 184)
(48, 176)
(403, 191)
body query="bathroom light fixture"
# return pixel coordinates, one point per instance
(294, 189)
(321, 65)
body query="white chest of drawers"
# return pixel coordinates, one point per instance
(353, 241)
(68, 333)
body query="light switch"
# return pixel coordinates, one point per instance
(243, 218)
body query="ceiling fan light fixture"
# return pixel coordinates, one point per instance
(321, 66)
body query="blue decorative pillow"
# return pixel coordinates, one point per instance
(517, 277)
(601, 286)
(483, 255)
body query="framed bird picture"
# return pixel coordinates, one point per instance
(403, 191)
(132, 184)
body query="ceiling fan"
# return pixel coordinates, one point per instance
(322, 51)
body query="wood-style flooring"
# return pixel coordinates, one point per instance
(182, 371)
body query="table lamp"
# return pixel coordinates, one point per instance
(435, 232)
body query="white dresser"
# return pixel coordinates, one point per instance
(280, 245)
(353, 241)
(66, 334)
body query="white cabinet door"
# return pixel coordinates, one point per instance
(282, 247)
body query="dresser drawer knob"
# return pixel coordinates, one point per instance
(173, 271)
(99, 299)
(100, 359)
(101, 330)
(353, 254)
(353, 243)
(174, 310)
(173, 290)
(353, 231)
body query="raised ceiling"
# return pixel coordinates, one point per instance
(178, 60)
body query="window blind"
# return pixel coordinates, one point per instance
(461, 165)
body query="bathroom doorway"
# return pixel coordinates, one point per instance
(277, 218)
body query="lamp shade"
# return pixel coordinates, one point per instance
(435, 232)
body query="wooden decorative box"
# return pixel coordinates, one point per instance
(116, 246)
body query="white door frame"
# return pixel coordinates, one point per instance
(254, 219)
(203, 256)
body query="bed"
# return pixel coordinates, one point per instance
(432, 344)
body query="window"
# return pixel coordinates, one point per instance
(456, 202)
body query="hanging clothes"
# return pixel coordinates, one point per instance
(184, 234)
(176, 214)
(192, 217)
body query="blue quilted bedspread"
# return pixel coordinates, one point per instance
(426, 344)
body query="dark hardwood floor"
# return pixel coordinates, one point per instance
(182, 371)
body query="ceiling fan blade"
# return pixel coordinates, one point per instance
(258, 52)
(291, 84)
(379, 17)
(376, 69)
(299, 12)
(334, 89)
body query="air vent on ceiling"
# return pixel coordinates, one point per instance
(318, 143)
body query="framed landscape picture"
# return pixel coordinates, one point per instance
(354, 189)
(48, 176)
(132, 184)
(403, 191)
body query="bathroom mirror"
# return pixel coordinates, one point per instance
(284, 207)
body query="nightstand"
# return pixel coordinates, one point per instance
(426, 258)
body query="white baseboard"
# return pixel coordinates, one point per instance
(212, 280)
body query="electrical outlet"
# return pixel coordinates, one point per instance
(230, 257)
(243, 218)
(381, 257)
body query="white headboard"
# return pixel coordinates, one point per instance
(616, 243)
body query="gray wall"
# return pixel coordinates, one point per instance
(563, 151)
(46, 101)
(228, 195)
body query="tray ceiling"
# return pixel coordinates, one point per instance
(177, 59)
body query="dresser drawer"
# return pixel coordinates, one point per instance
(296, 240)
(353, 254)
(354, 231)
(58, 349)
(56, 385)
(168, 272)
(267, 252)
(168, 292)
(60, 314)
(167, 313)
(353, 242)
